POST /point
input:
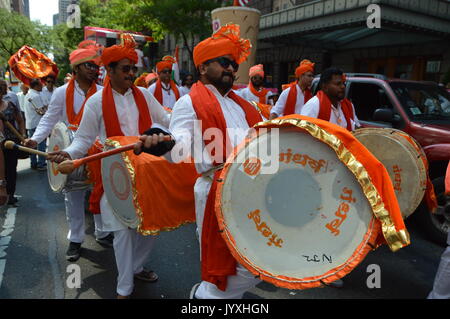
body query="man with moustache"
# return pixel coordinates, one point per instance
(292, 99)
(67, 105)
(120, 109)
(165, 90)
(212, 102)
(255, 90)
(330, 103)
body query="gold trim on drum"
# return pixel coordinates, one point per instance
(140, 214)
(395, 239)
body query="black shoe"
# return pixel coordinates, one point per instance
(106, 241)
(73, 253)
(42, 168)
(33, 166)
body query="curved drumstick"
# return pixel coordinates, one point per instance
(69, 166)
(11, 145)
(11, 128)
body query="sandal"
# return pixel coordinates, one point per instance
(147, 275)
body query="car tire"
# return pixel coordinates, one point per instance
(437, 225)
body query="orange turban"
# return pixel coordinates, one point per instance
(118, 52)
(225, 41)
(88, 44)
(140, 81)
(165, 63)
(83, 55)
(305, 66)
(256, 70)
(150, 77)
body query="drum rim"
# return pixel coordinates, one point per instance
(421, 161)
(63, 127)
(381, 223)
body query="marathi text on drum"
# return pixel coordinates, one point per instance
(397, 178)
(303, 159)
(341, 212)
(264, 229)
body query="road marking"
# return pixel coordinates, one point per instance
(5, 238)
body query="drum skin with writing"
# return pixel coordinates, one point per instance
(303, 216)
(405, 161)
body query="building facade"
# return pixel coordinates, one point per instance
(405, 39)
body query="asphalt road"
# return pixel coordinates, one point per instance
(33, 266)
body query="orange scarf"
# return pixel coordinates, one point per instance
(292, 99)
(216, 261)
(325, 109)
(158, 91)
(447, 180)
(260, 94)
(75, 119)
(112, 127)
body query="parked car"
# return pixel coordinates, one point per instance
(421, 109)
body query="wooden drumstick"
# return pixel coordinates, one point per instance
(11, 145)
(69, 166)
(12, 128)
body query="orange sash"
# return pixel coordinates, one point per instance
(260, 94)
(75, 119)
(158, 91)
(217, 262)
(447, 180)
(292, 99)
(325, 109)
(112, 127)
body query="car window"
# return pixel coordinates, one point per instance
(367, 97)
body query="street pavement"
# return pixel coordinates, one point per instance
(33, 266)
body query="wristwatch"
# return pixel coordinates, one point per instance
(2, 182)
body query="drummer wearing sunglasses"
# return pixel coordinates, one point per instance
(212, 102)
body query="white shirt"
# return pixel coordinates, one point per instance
(92, 125)
(312, 108)
(140, 54)
(47, 95)
(281, 103)
(57, 110)
(184, 90)
(169, 98)
(32, 118)
(246, 94)
(21, 98)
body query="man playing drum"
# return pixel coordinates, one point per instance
(67, 104)
(292, 100)
(330, 103)
(120, 109)
(213, 102)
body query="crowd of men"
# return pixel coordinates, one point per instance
(128, 104)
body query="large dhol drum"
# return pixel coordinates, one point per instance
(310, 222)
(404, 160)
(147, 192)
(60, 139)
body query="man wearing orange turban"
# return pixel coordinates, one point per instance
(297, 94)
(330, 103)
(165, 90)
(120, 109)
(67, 105)
(212, 102)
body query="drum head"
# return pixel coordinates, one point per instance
(59, 140)
(118, 188)
(404, 162)
(308, 223)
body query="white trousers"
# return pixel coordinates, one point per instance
(131, 250)
(74, 202)
(238, 284)
(441, 286)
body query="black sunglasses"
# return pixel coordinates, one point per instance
(91, 66)
(166, 71)
(128, 68)
(225, 63)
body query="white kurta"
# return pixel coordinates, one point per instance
(92, 125)
(169, 98)
(57, 110)
(281, 103)
(246, 94)
(183, 124)
(32, 118)
(47, 95)
(312, 108)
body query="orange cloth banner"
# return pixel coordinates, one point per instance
(165, 191)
